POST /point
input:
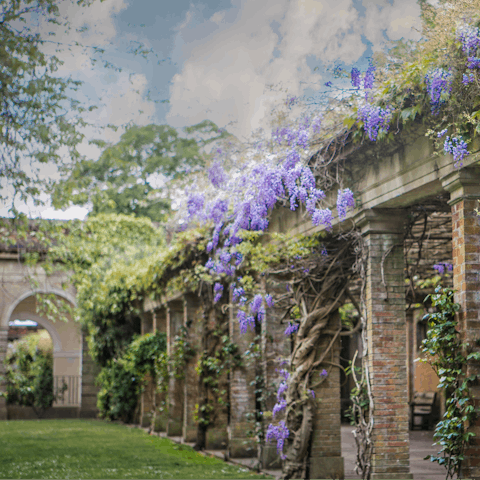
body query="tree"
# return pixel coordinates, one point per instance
(131, 176)
(40, 120)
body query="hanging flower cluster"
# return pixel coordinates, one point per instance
(376, 119)
(218, 291)
(458, 148)
(470, 38)
(345, 201)
(439, 87)
(442, 267)
(280, 432)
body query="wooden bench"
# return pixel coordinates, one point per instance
(423, 406)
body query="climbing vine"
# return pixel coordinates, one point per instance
(449, 357)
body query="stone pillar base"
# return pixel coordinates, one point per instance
(217, 439)
(190, 434)
(3, 409)
(391, 476)
(174, 428)
(270, 458)
(242, 448)
(327, 467)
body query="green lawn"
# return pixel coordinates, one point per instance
(96, 449)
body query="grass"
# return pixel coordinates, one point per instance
(95, 449)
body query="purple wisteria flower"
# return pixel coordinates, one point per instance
(256, 303)
(282, 388)
(355, 77)
(442, 267)
(218, 290)
(376, 119)
(195, 203)
(311, 392)
(291, 101)
(442, 133)
(345, 202)
(368, 81)
(322, 217)
(473, 62)
(292, 328)
(468, 78)
(285, 373)
(269, 300)
(324, 373)
(237, 293)
(439, 86)
(458, 148)
(245, 321)
(279, 433)
(316, 124)
(278, 407)
(217, 175)
(470, 38)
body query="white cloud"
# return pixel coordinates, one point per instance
(225, 74)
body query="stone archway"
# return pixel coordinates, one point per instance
(67, 347)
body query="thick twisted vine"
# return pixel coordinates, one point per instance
(317, 300)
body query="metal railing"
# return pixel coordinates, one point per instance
(67, 389)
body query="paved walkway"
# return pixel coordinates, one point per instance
(421, 445)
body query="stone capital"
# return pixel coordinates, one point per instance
(462, 184)
(380, 220)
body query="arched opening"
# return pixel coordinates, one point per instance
(66, 349)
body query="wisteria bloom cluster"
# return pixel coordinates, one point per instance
(458, 148)
(443, 267)
(376, 119)
(279, 432)
(470, 38)
(439, 86)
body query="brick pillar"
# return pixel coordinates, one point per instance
(175, 387)
(193, 323)
(161, 417)
(90, 370)
(464, 188)
(3, 353)
(386, 338)
(275, 346)
(216, 435)
(326, 459)
(242, 397)
(147, 398)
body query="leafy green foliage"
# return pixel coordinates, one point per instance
(29, 373)
(448, 356)
(121, 180)
(121, 380)
(34, 125)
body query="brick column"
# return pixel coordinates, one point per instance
(326, 459)
(3, 353)
(464, 188)
(147, 398)
(242, 397)
(90, 370)
(386, 338)
(161, 417)
(193, 323)
(175, 388)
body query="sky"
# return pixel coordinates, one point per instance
(229, 61)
